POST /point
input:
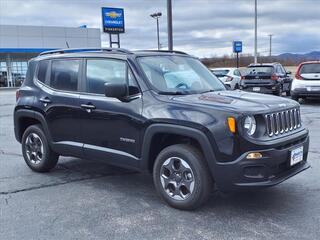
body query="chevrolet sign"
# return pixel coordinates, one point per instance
(113, 20)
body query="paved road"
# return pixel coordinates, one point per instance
(90, 200)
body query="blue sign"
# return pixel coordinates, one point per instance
(237, 46)
(113, 20)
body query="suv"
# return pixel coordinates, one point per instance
(266, 78)
(159, 112)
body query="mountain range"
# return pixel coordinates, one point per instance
(314, 55)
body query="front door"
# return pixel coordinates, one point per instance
(111, 128)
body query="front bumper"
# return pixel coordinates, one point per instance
(273, 168)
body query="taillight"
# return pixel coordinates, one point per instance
(274, 77)
(229, 79)
(298, 76)
(242, 77)
(17, 95)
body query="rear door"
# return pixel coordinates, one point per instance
(61, 105)
(284, 78)
(111, 128)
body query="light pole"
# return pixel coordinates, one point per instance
(169, 22)
(270, 44)
(157, 16)
(255, 31)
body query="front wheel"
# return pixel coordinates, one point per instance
(181, 177)
(36, 150)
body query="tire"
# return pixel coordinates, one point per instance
(295, 97)
(192, 171)
(236, 86)
(36, 150)
(279, 92)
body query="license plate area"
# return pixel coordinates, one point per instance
(256, 89)
(296, 155)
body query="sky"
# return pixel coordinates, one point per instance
(204, 28)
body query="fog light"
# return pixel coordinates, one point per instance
(273, 88)
(254, 155)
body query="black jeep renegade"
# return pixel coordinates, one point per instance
(160, 112)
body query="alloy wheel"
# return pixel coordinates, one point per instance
(34, 148)
(177, 178)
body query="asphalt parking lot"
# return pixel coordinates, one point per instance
(83, 199)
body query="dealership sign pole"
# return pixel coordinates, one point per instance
(237, 48)
(113, 23)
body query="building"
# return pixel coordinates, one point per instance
(18, 44)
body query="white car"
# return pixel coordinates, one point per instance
(229, 76)
(307, 81)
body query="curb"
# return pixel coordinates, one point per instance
(8, 88)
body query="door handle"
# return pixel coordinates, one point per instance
(88, 107)
(45, 101)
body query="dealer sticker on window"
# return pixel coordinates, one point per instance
(296, 156)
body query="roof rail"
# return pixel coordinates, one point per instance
(74, 50)
(165, 51)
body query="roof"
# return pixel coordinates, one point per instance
(108, 51)
(263, 64)
(224, 68)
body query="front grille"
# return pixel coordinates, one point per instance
(283, 122)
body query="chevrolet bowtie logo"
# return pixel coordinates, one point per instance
(113, 14)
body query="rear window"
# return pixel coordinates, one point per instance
(221, 72)
(64, 74)
(310, 68)
(42, 70)
(259, 70)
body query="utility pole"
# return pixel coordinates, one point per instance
(255, 31)
(270, 44)
(169, 22)
(157, 16)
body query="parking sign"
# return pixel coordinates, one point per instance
(237, 46)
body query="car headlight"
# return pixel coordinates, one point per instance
(250, 125)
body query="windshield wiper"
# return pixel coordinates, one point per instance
(210, 90)
(174, 93)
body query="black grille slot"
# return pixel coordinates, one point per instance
(281, 122)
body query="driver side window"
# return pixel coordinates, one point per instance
(102, 71)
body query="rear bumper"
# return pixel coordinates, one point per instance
(264, 88)
(272, 169)
(303, 92)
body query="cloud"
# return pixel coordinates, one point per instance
(201, 27)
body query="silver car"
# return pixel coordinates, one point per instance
(229, 76)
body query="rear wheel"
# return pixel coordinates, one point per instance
(36, 150)
(279, 92)
(295, 97)
(181, 177)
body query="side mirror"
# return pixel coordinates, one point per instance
(288, 72)
(116, 90)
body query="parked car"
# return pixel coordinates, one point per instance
(159, 112)
(229, 76)
(307, 81)
(266, 78)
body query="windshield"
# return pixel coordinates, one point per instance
(259, 70)
(179, 75)
(310, 68)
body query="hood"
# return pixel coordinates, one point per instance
(238, 101)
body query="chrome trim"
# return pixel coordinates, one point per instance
(282, 122)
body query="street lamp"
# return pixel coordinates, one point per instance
(157, 16)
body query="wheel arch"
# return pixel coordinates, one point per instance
(23, 118)
(148, 157)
